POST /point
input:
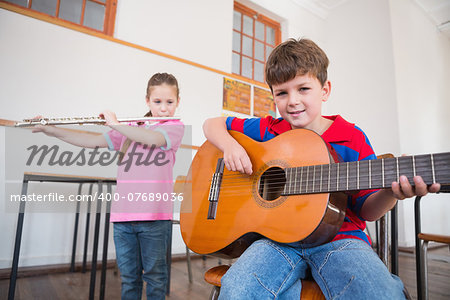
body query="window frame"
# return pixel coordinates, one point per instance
(109, 16)
(255, 16)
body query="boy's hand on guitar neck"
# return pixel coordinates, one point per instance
(403, 189)
(236, 158)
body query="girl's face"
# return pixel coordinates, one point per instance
(163, 100)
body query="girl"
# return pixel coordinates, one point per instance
(143, 213)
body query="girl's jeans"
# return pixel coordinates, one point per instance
(344, 269)
(141, 249)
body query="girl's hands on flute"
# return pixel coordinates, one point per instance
(47, 129)
(110, 118)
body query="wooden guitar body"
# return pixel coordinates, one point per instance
(249, 207)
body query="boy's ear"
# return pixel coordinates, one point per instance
(326, 90)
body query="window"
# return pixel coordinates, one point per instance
(98, 15)
(254, 37)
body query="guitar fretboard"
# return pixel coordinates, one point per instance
(366, 174)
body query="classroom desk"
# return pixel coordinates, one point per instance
(45, 177)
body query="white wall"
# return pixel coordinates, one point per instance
(359, 46)
(63, 72)
(295, 20)
(422, 73)
(196, 30)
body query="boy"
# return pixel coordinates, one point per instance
(347, 267)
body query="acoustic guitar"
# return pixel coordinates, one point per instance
(295, 194)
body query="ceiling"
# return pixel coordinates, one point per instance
(438, 11)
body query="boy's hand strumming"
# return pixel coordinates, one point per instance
(236, 158)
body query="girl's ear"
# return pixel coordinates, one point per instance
(178, 102)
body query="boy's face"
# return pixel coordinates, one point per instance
(299, 101)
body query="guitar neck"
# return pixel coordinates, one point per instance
(367, 174)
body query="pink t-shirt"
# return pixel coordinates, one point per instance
(144, 189)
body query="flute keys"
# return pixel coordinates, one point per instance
(84, 120)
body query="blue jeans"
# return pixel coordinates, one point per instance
(344, 269)
(141, 249)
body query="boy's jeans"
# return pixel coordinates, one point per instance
(344, 269)
(141, 249)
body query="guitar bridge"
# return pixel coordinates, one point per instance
(214, 189)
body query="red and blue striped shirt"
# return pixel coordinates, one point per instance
(348, 140)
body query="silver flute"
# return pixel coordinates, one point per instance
(85, 120)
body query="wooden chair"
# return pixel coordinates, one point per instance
(310, 289)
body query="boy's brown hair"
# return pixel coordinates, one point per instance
(296, 57)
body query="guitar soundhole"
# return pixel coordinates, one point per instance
(271, 183)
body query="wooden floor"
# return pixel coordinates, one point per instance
(74, 286)
(438, 273)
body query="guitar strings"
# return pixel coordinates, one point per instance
(243, 181)
(274, 173)
(280, 187)
(419, 169)
(245, 178)
(277, 178)
(439, 161)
